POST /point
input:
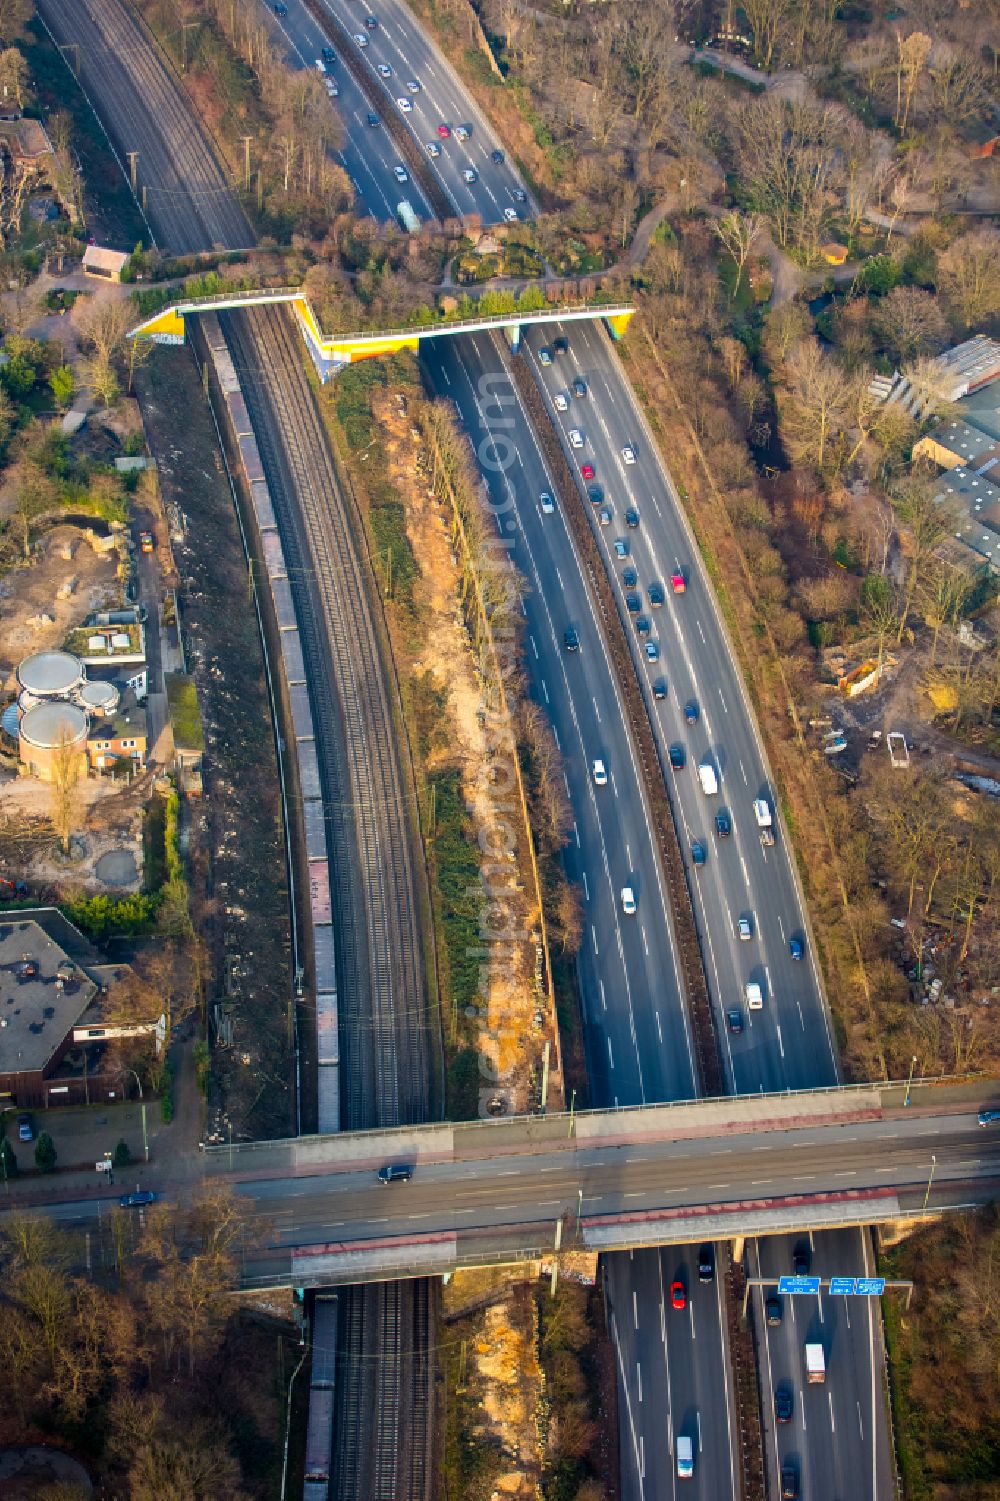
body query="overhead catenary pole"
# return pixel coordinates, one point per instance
(132, 158)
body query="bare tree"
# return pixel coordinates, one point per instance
(66, 768)
(912, 53)
(738, 232)
(910, 323)
(814, 407)
(970, 276)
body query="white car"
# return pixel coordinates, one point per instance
(511, 215)
(319, 63)
(628, 901)
(332, 89)
(470, 174)
(433, 149)
(575, 437)
(385, 70)
(744, 927)
(561, 401)
(600, 774)
(405, 105)
(628, 454)
(413, 85)
(401, 174)
(361, 39)
(546, 502)
(461, 132)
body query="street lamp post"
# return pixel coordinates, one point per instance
(930, 1180)
(572, 1107)
(579, 1210)
(913, 1064)
(142, 1104)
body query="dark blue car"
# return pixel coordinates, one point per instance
(137, 1199)
(796, 948)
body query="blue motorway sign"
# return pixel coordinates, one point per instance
(870, 1287)
(798, 1285)
(843, 1286)
(862, 1287)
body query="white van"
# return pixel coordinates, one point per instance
(708, 779)
(754, 995)
(685, 1457)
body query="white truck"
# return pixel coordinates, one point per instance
(708, 779)
(815, 1363)
(685, 1457)
(765, 823)
(407, 217)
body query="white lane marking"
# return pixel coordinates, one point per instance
(861, 1426)
(833, 1421)
(545, 691)
(659, 1029)
(603, 1001)
(586, 887)
(611, 1056)
(701, 633)
(723, 702)
(781, 1045)
(744, 771)
(534, 646)
(576, 831)
(781, 929)
(566, 785)
(644, 943)
(597, 711)
(635, 1309)
(555, 736)
(593, 937)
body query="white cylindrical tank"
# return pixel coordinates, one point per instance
(50, 674)
(47, 731)
(99, 698)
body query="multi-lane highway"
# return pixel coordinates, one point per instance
(639, 1048)
(788, 1042)
(398, 55)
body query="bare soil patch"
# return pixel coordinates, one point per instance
(32, 616)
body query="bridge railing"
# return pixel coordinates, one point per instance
(550, 312)
(555, 1122)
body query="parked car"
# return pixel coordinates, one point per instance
(25, 1128)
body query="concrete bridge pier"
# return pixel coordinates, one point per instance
(513, 332)
(739, 1243)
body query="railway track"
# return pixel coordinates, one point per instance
(383, 1406)
(384, 1386)
(180, 178)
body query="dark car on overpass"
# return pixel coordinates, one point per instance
(396, 1172)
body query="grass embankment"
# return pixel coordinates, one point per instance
(944, 1352)
(452, 855)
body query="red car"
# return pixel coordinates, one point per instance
(677, 583)
(587, 470)
(444, 131)
(678, 1297)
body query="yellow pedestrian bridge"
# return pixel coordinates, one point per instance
(330, 352)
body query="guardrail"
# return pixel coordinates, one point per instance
(707, 1059)
(556, 1123)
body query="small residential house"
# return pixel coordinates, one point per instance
(117, 738)
(104, 263)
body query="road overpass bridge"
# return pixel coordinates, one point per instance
(330, 352)
(491, 1192)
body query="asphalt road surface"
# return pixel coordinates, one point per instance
(788, 1043)
(639, 1048)
(369, 157)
